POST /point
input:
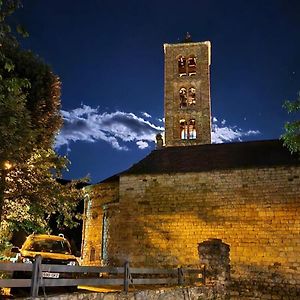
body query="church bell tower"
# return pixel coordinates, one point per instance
(187, 93)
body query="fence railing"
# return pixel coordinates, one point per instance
(37, 275)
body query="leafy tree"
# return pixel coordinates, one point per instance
(29, 120)
(43, 93)
(16, 135)
(291, 137)
(34, 194)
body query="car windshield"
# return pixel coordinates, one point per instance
(49, 246)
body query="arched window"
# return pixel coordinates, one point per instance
(192, 129)
(191, 62)
(181, 66)
(191, 96)
(188, 129)
(183, 130)
(183, 97)
(92, 254)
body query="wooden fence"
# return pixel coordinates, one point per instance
(95, 276)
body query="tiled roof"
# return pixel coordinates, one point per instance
(215, 157)
(203, 158)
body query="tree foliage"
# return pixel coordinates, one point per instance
(43, 93)
(15, 120)
(29, 120)
(16, 135)
(291, 137)
(33, 193)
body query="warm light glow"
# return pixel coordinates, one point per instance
(7, 165)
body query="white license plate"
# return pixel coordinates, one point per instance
(50, 275)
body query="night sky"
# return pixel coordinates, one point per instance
(109, 57)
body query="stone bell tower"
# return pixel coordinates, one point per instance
(187, 93)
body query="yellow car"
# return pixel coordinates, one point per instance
(54, 250)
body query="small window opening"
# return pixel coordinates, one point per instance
(181, 66)
(192, 65)
(92, 254)
(192, 129)
(183, 130)
(183, 97)
(104, 236)
(192, 96)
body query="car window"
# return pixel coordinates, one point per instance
(49, 246)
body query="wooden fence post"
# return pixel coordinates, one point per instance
(180, 276)
(36, 276)
(126, 276)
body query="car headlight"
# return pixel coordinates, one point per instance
(26, 260)
(72, 263)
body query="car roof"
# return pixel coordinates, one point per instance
(46, 237)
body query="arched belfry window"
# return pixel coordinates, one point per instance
(181, 66)
(191, 65)
(183, 130)
(183, 97)
(192, 129)
(187, 97)
(191, 96)
(188, 129)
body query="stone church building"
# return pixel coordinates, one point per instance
(188, 191)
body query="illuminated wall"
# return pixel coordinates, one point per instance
(160, 219)
(94, 226)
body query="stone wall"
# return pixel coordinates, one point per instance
(162, 218)
(200, 111)
(215, 256)
(101, 197)
(190, 293)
